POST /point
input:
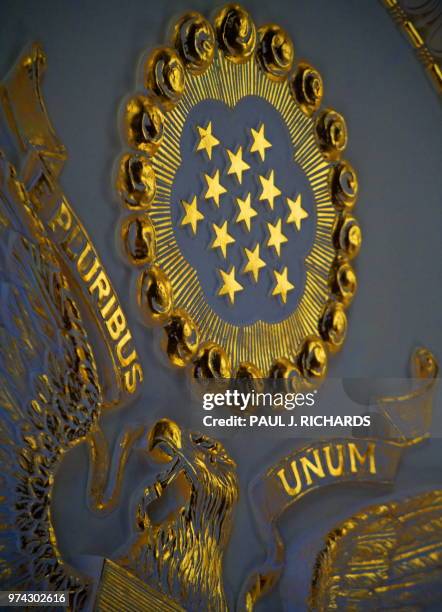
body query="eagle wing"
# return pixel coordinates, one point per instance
(49, 393)
(387, 557)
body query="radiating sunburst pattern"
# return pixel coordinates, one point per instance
(260, 342)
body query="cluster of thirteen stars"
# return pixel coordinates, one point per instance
(222, 239)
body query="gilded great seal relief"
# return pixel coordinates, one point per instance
(238, 222)
(64, 360)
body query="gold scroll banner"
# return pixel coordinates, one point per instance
(406, 418)
(44, 157)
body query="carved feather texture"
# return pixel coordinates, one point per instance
(183, 556)
(388, 557)
(49, 394)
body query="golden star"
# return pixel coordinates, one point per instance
(283, 285)
(192, 215)
(276, 237)
(254, 263)
(246, 211)
(223, 238)
(214, 187)
(297, 213)
(230, 285)
(260, 144)
(269, 190)
(237, 164)
(207, 140)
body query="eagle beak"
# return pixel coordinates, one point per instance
(165, 444)
(165, 440)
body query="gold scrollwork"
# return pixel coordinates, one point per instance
(181, 338)
(143, 124)
(138, 235)
(136, 181)
(313, 359)
(195, 42)
(334, 325)
(348, 236)
(247, 371)
(236, 33)
(285, 370)
(275, 52)
(308, 88)
(154, 295)
(331, 134)
(164, 76)
(343, 282)
(211, 362)
(343, 185)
